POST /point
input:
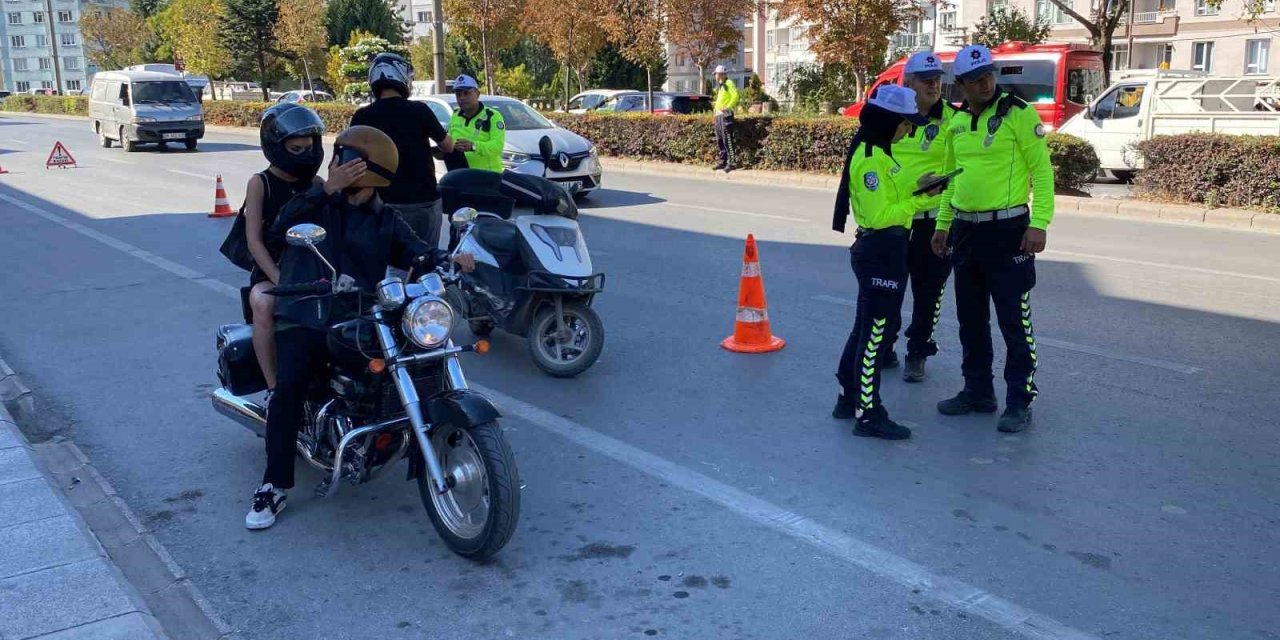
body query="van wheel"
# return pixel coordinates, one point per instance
(191, 144)
(102, 138)
(1125, 177)
(128, 145)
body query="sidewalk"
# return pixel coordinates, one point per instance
(75, 563)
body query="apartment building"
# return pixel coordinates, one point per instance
(40, 41)
(419, 14)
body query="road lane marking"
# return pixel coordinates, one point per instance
(1052, 342)
(749, 214)
(188, 173)
(115, 160)
(1162, 265)
(850, 549)
(17, 141)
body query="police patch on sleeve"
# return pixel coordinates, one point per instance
(871, 181)
(1040, 131)
(502, 126)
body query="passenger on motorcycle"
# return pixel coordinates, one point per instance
(364, 237)
(290, 136)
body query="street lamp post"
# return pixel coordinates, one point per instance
(53, 44)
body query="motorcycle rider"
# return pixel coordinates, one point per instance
(290, 136)
(364, 237)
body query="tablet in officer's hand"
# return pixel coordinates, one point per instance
(940, 181)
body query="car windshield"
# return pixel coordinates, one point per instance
(1032, 80)
(519, 117)
(145, 92)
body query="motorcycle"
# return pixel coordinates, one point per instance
(533, 275)
(395, 389)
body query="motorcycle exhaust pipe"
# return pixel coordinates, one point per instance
(247, 413)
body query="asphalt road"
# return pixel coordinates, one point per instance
(677, 490)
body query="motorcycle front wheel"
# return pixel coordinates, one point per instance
(477, 516)
(566, 356)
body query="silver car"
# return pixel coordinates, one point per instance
(574, 160)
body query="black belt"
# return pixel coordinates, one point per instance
(886, 232)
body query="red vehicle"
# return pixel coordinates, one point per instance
(1059, 80)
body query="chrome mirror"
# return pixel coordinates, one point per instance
(306, 235)
(464, 216)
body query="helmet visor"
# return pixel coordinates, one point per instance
(298, 122)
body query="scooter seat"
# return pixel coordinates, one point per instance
(502, 239)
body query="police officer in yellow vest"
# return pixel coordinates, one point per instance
(923, 151)
(880, 193)
(993, 218)
(478, 131)
(726, 102)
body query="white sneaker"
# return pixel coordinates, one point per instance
(268, 501)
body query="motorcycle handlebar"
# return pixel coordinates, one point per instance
(316, 288)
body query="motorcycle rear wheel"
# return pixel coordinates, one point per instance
(478, 515)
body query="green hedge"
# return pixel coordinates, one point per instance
(68, 105)
(1075, 162)
(1212, 169)
(227, 113)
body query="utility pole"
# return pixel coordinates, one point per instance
(437, 42)
(53, 44)
(1129, 29)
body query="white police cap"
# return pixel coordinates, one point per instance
(924, 64)
(899, 100)
(721, 69)
(465, 81)
(973, 62)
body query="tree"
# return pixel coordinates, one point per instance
(352, 79)
(378, 17)
(1101, 25)
(422, 56)
(516, 82)
(637, 28)
(301, 36)
(706, 30)
(570, 30)
(248, 31)
(853, 35)
(190, 29)
(536, 58)
(490, 25)
(113, 38)
(1004, 24)
(610, 69)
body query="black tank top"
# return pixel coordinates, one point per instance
(278, 191)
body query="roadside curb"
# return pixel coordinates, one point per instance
(1239, 219)
(171, 605)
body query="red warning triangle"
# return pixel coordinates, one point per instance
(59, 157)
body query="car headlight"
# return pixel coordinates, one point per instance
(515, 158)
(142, 119)
(428, 321)
(594, 152)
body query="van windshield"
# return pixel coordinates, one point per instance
(155, 92)
(1032, 80)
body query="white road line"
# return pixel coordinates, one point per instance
(852, 550)
(17, 141)
(749, 214)
(1052, 342)
(115, 160)
(188, 173)
(1163, 265)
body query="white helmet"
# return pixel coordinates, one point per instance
(721, 69)
(390, 71)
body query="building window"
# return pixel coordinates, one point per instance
(18, 42)
(19, 64)
(45, 64)
(1046, 10)
(71, 64)
(1166, 56)
(73, 85)
(1204, 9)
(1202, 56)
(770, 38)
(68, 39)
(64, 16)
(992, 5)
(1119, 57)
(23, 86)
(947, 20)
(1256, 53)
(1269, 6)
(46, 84)
(424, 17)
(37, 17)
(15, 17)
(748, 39)
(42, 41)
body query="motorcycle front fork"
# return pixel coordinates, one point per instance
(413, 404)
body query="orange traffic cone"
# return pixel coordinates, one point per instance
(221, 206)
(3, 171)
(751, 332)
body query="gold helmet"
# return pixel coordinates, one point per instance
(375, 148)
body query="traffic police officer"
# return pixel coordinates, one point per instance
(993, 235)
(726, 102)
(923, 151)
(879, 192)
(478, 131)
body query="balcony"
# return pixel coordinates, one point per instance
(913, 41)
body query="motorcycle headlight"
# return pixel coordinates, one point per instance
(428, 321)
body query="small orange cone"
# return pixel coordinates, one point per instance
(751, 333)
(221, 206)
(3, 171)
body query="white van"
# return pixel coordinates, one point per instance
(1140, 105)
(140, 107)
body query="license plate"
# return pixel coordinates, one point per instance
(174, 136)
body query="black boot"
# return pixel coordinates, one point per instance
(1015, 418)
(846, 407)
(967, 402)
(718, 167)
(889, 361)
(915, 370)
(876, 424)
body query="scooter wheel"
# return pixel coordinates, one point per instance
(566, 358)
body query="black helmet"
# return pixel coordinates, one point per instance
(390, 71)
(287, 120)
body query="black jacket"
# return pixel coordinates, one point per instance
(360, 242)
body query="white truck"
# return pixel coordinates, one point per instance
(1140, 105)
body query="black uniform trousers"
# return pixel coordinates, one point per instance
(928, 275)
(724, 138)
(879, 260)
(301, 354)
(990, 267)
